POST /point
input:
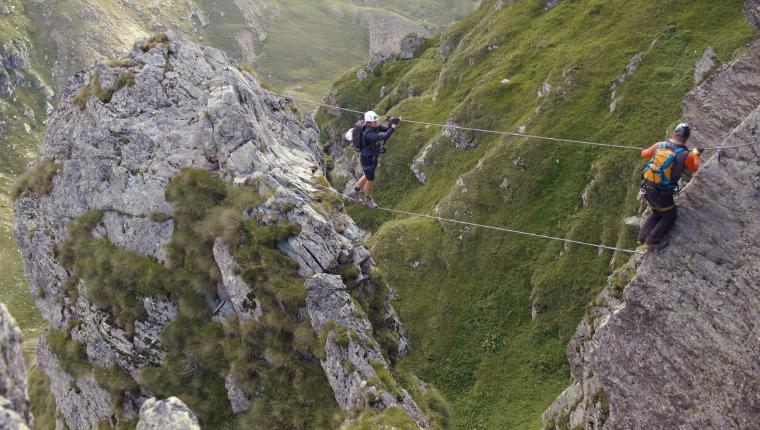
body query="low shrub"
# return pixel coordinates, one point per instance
(38, 181)
(154, 41)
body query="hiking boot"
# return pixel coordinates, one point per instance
(651, 247)
(370, 203)
(354, 195)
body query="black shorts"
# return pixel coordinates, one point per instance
(369, 165)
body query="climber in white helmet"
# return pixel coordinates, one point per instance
(367, 137)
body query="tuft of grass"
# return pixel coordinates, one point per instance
(119, 62)
(153, 41)
(94, 89)
(42, 401)
(120, 386)
(71, 353)
(390, 418)
(126, 79)
(38, 181)
(82, 97)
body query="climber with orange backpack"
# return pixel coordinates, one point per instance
(667, 162)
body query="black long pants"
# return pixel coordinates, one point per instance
(657, 225)
(664, 214)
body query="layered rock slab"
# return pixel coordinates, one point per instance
(352, 358)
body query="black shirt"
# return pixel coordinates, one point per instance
(371, 138)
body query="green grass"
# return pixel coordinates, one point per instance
(467, 306)
(17, 148)
(274, 359)
(392, 418)
(42, 400)
(71, 353)
(324, 38)
(36, 182)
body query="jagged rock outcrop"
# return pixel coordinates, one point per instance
(15, 64)
(387, 30)
(9, 418)
(169, 414)
(705, 64)
(752, 12)
(725, 99)
(169, 105)
(14, 400)
(352, 359)
(410, 44)
(452, 134)
(672, 342)
(234, 289)
(630, 69)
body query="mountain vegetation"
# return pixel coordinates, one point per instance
(489, 314)
(45, 43)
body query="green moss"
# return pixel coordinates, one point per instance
(273, 359)
(119, 62)
(159, 217)
(349, 366)
(370, 301)
(603, 403)
(115, 280)
(42, 401)
(36, 182)
(322, 340)
(348, 273)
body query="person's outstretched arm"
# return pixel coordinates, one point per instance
(378, 136)
(649, 152)
(693, 161)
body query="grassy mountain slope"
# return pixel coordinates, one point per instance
(312, 42)
(21, 114)
(466, 295)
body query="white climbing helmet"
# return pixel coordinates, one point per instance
(349, 134)
(371, 116)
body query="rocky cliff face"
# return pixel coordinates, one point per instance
(169, 414)
(120, 136)
(672, 342)
(14, 401)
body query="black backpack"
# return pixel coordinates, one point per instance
(357, 136)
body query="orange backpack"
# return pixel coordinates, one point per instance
(659, 169)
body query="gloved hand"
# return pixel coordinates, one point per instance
(382, 150)
(393, 120)
(698, 150)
